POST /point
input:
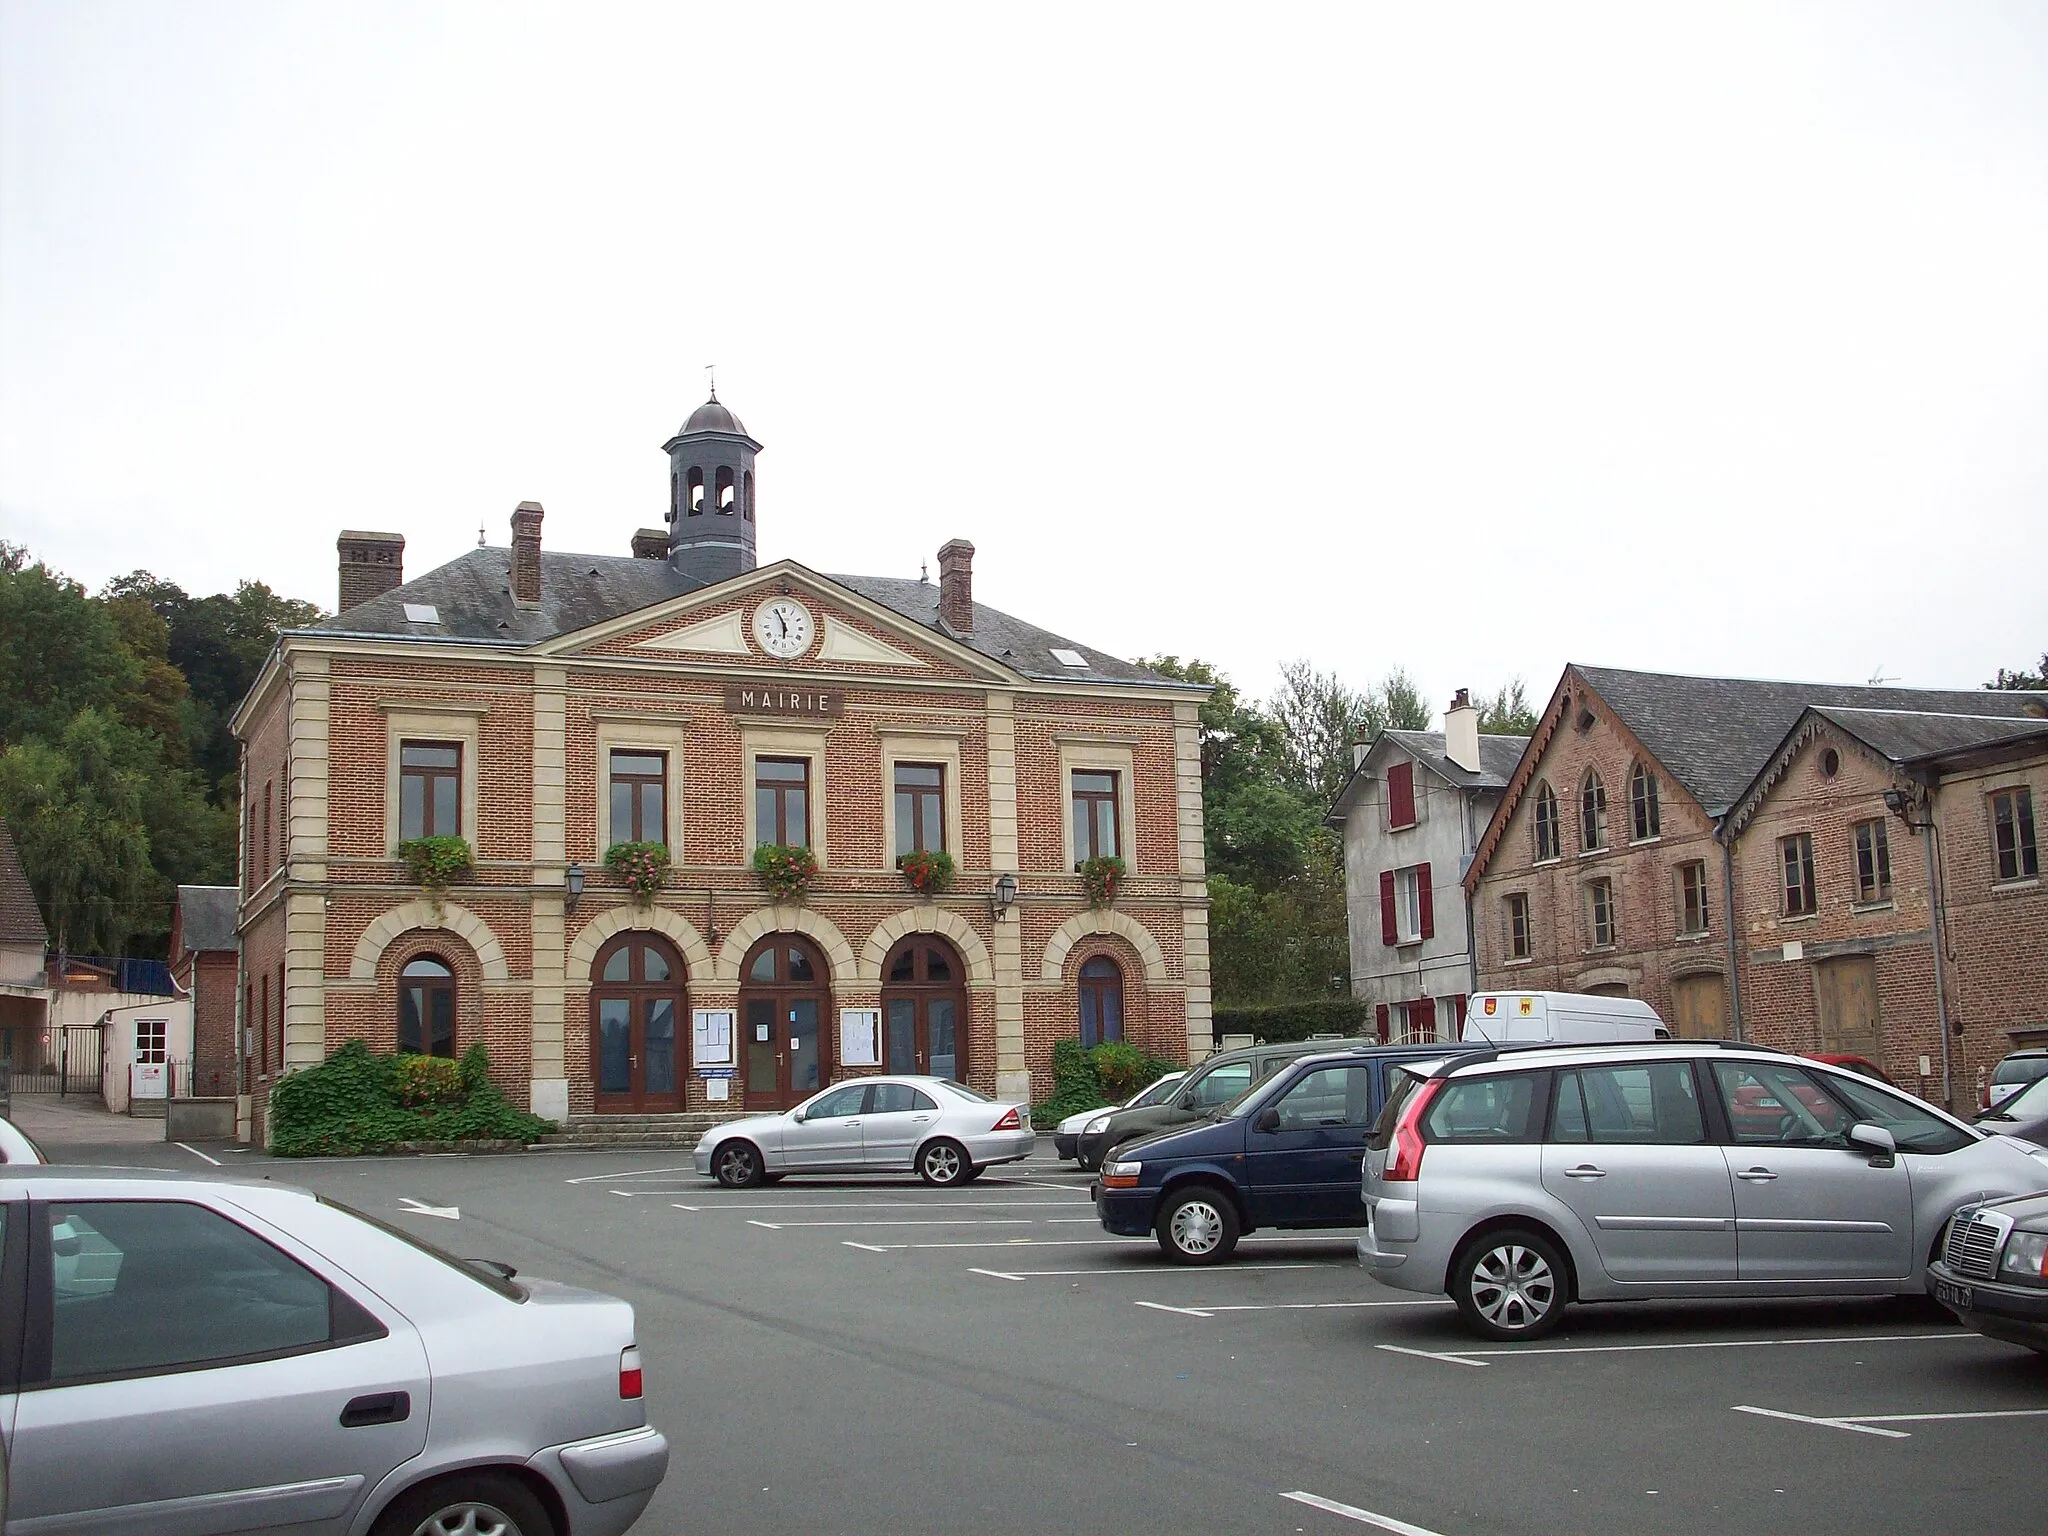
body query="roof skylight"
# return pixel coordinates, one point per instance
(1067, 658)
(422, 613)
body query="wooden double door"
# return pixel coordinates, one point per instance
(637, 1009)
(785, 1022)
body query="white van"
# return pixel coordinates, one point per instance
(1569, 1018)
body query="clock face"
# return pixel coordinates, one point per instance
(783, 627)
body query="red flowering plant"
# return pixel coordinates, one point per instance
(929, 871)
(639, 866)
(1102, 877)
(787, 870)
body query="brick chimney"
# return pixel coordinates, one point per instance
(371, 565)
(650, 543)
(956, 586)
(526, 554)
(1461, 732)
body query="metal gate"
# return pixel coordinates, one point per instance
(72, 1063)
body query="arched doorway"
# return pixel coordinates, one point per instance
(636, 1012)
(1101, 994)
(785, 1008)
(924, 1009)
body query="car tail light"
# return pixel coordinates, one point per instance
(1009, 1122)
(629, 1371)
(1405, 1166)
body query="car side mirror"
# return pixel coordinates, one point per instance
(1268, 1120)
(1874, 1139)
(797, 1115)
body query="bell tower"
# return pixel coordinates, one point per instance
(711, 495)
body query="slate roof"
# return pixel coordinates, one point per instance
(21, 920)
(473, 597)
(206, 916)
(1911, 736)
(1714, 734)
(1498, 756)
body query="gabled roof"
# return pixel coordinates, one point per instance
(472, 598)
(206, 917)
(1498, 756)
(21, 920)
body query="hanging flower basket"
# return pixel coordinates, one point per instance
(787, 871)
(435, 863)
(640, 866)
(1102, 878)
(929, 873)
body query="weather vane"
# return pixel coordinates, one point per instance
(479, 535)
(712, 369)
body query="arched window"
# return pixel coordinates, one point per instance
(1102, 1001)
(747, 497)
(725, 491)
(696, 493)
(426, 1007)
(636, 1012)
(1592, 813)
(1546, 822)
(785, 1006)
(1644, 820)
(924, 1009)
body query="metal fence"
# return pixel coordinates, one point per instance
(71, 1064)
(205, 1077)
(148, 978)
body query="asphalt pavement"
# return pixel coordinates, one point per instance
(872, 1355)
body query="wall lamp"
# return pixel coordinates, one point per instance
(1900, 804)
(572, 879)
(1002, 895)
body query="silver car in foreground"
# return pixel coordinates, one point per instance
(1519, 1181)
(944, 1130)
(211, 1355)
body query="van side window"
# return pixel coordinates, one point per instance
(1218, 1087)
(1647, 1104)
(1484, 1109)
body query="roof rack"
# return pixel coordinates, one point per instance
(1495, 1053)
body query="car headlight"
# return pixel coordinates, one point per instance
(1122, 1169)
(1099, 1123)
(2026, 1256)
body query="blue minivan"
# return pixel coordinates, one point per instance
(1285, 1153)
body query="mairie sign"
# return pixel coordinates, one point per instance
(778, 699)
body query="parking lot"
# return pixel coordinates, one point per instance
(853, 1354)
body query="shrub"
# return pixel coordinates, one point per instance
(435, 862)
(787, 871)
(1279, 1022)
(930, 873)
(1082, 1078)
(640, 866)
(359, 1101)
(1102, 877)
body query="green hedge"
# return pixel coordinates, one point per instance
(1086, 1078)
(357, 1101)
(1277, 1022)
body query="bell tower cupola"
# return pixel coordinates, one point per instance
(711, 494)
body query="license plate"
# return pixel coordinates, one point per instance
(1958, 1296)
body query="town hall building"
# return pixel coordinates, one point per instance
(549, 708)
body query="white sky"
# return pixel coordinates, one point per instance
(1472, 339)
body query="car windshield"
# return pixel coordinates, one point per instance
(961, 1090)
(476, 1269)
(1158, 1093)
(2020, 1069)
(2030, 1103)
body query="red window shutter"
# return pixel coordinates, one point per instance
(1427, 901)
(1388, 934)
(1401, 795)
(1458, 1017)
(1380, 1019)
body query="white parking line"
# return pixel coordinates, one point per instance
(630, 1173)
(199, 1154)
(909, 1221)
(1208, 1309)
(1869, 1423)
(1362, 1516)
(1072, 1242)
(1471, 1356)
(884, 1205)
(1152, 1271)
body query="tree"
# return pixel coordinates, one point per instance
(76, 812)
(60, 652)
(1321, 717)
(2021, 682)
(1507, 712)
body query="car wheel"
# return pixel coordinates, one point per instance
(1197, 1226)
(1510, 1285)
(944, 1162)
(737, 1165)
(475, 1504)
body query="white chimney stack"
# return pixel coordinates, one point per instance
(1461, 732)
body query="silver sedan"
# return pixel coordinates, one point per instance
(944, 1130)
(211, 1355)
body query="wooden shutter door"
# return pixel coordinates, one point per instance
(1428, 901)
(1389, 936)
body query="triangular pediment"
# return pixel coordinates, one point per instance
(722, 635)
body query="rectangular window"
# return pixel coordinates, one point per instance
(782, 801)
(1796, 852)
(1401, 795)
(1094, 814)
(639, 797)
(1692, 897)
(1517, 910)
(1600, 914)
(1407, 905)
(149, 1040)
(429, 789)
(921, 808)
(263, 1025)
(2012, 825)
(1873, 862)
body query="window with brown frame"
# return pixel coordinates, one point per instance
(1515, 908)
(782, 801)
(1796, 855)
(639, 794)
(1692, 897)
(429, 789)
(920, 808)
(1645, 817)
(1546, 823)
(1873, 861)
(1592, 813)
(1094, 814)
(1600, 914)
(426, 1007)
(2012, 828)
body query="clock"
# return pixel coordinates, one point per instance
(783, 627)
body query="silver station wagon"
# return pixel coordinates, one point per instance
(1519, 1181)
(186, 1356)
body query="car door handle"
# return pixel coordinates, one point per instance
(854, 1121)
(377, 1408)
(919, 1119)
(1757, 1175)
(1585, 1171)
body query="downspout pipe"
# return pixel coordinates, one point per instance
(1734, 947)
(1930, 850)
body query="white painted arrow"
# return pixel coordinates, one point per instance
(421, 1208)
